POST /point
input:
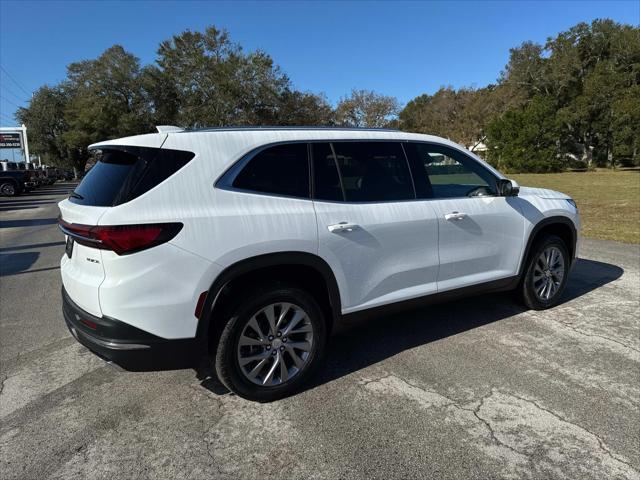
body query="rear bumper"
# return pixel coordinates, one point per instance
(126, 346)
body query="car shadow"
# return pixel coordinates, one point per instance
(12, 263)
(24, 203)
(17, 207)
(373, 341)
(31, 222)
(31, 246)
(369, 342)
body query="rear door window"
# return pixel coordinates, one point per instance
(326, 179)
(373, 171)
(278, 170)
(121, 174)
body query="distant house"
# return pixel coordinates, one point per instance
(479, 148)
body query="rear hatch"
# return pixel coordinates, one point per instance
(120, 174)
(81, 266)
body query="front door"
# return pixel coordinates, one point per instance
(481, 233)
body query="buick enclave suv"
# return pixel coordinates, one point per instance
(242, 248)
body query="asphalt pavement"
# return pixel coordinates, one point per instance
(479, 388)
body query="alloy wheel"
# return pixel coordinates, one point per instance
(548, 273)
(275, 344)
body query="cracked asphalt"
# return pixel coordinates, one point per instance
(479, 388)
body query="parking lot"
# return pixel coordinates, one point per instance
(479, 388)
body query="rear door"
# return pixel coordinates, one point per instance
(380, 242)
(481, 233)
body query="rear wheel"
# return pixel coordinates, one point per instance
(8, 189)
(271, 345)
(546, 275)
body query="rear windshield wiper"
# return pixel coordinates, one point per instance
(76, 195)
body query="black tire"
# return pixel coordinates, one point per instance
(227, 363)
(9, 189)
(529, 288)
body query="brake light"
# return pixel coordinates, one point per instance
(121, 239)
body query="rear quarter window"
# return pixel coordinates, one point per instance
(279, 170)
(121, 174)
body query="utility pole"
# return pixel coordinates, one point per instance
(26, 143)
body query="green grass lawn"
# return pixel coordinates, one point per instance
(608, 201)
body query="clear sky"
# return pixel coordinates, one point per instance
(396, 48)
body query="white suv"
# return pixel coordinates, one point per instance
(242, 248)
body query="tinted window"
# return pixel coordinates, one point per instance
(119, 176)
(373, 171)
(325, 173)
(10, 166)
(282, 170)
(442, 172)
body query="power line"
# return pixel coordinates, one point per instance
(9, 121)
(10, 102)
(5, 89)
(14, 80)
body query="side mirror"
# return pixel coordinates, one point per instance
(508, 188)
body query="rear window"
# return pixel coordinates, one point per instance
(124, 173)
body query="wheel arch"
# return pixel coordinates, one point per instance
(309, 269)
(556, 225)
(9, 180)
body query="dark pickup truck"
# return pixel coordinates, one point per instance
(13, 181)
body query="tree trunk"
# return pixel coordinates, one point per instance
(610, 159)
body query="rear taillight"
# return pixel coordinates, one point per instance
(121, 239)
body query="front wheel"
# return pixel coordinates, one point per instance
(8, 189)
(546, 275)
(272, 344)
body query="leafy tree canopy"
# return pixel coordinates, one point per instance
(572, 102)
(365, 108)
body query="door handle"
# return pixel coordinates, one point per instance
(342, 227)
(455, 216)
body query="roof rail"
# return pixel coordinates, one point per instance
(168, 128)
(280, 127)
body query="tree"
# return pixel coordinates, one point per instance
(626, 126)
(106, 100)
(525, 75)
(525, 140)
(212, 82)
(45, 119)
(365, 108)
(100, 99)
(304, 108)
(592, 67)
